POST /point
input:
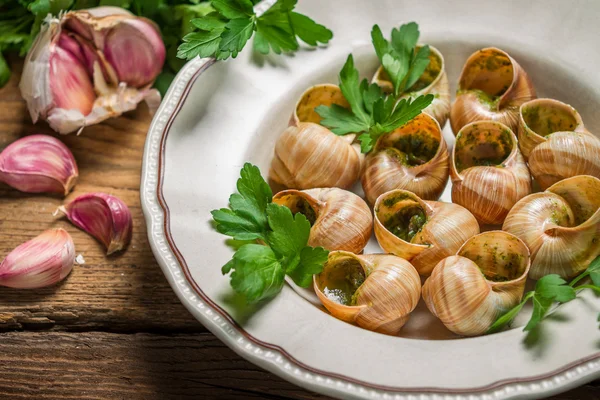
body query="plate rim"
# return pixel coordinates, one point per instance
(272, 357)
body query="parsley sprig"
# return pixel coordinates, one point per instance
(224, 32)
(280, 240)
(549, 290)
(373, 113)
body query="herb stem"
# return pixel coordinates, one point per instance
(593, 287)
(577, 279)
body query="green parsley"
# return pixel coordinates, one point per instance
(280, 240)
(549, 290)
(371, 112)
(225, 32)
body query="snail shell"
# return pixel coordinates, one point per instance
(561, 226)
(557, 145)
(423, 232)
(433, 81)
(492, 86)
(489, 174)
(485, 278)
(340, 220)
(308, 155)
(413, 157)
(375, 291)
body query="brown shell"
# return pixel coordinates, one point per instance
(491, 87)
(488, 172)
(387, 168)
(470, 290)
(447, 228)
(343, 221)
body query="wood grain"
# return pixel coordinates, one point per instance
(156, 350)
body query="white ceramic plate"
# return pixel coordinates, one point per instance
(217, 115)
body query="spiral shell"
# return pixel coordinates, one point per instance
(375, 291)
(485, 278)
(561, 226)
(553, 138)
(422, 232)
(489, 174)
(492, 86)
(340, 220)
(308, 155)
(433, 81)
(413, 157)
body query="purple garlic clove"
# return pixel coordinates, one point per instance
(39, 262)
(38, 164)
(103, 216)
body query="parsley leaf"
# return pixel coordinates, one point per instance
(225, 33)
(258, 269)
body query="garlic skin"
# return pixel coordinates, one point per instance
(38, 164)
(433, 81)
(560, 226)
(414, 157)
(488, 172)
(340, 220)
(374, 291)
(470, 290)
(39, 262)
(492, 86)
(103, 216)
(308, 155)
(442, 229)
(558, 146)
(91, 65)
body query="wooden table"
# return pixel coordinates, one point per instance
(114, 328)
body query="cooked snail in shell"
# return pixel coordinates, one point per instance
(555, 142)
(375, 291)
(340, 220)
(492, 86)
(485, 278)
(422, 232)
(561, 226)
(413, 157)
(308, 155)
(488, 172)
(433, 81)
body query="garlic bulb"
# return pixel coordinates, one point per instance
(39, 262)
(422, 232)
(485, 278)
(308, 155)
(560, 226)
(413, 157)
(488, 172)
(552, 136)
(103, 216)
(433, 81)
(375, 291)
(38, 164)
(90, 65)
(340, 220)
(492, 86)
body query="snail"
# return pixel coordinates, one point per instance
(375, 291)
(413, 157)
(492, 86)
(308, 155)
(486, 278)
(340, 220)
(423, 232)
(554, 140)
(488, 172)
(434, 80)
(561, 226)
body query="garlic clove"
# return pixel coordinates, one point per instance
(38, 164)
(103, 216)
(39, 262)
